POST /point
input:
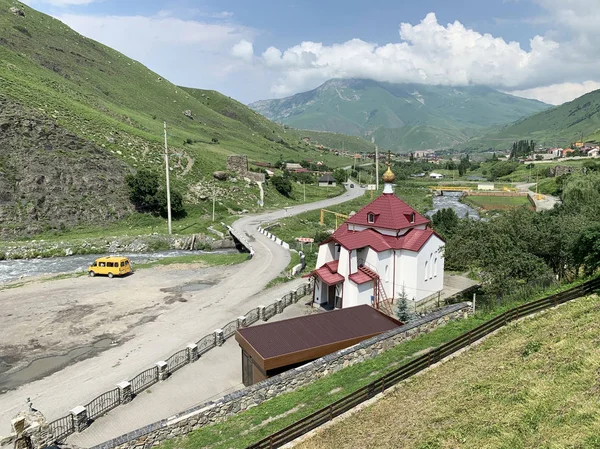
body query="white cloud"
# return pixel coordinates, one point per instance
(243, 50)
(558, 93)
(427, 53)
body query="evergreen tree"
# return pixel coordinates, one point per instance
(402, 310)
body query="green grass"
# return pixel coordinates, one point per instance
(252, 425)
(210, 260)
(532, 385)
(99, 94)
(489, 203)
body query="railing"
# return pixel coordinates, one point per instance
(61, 428)
(177, 360)
(411, 368)
(65, 426)
(206, 343)
(252, 316)
(229, 329)
(270, 311)
(103, 403)
(144, 380)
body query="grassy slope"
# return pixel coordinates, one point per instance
(533, 384)
(101, 95)
(496, 202)
(558, 126)
(250, 426)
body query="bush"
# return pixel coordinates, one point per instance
(283, 185)
(147, 196)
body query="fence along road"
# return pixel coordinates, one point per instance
(411, 368)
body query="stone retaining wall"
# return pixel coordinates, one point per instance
(219, 410)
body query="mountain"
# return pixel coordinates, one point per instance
(559, 126)
(399, 116)
(76, 117)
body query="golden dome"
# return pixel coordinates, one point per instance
(389, 176)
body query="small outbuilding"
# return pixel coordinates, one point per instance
(272, 348)
(326, 180)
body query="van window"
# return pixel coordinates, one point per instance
(94, 264)
(101, 264)
(109, 264)
(122, 264)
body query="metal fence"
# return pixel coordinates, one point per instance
(270, 311)
(252, 316)
(229, 329)
(61, 428)
(177, 360)
(206, 343)
(103, 403)
(144, 380)
(288, 299)
(411, 368)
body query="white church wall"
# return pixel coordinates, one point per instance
(406, 273)
(320, 294)
(326, 254)
(344, 261)
(430, 268)
(364, 293)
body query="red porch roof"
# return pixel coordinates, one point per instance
(359, 277)
(328, 273)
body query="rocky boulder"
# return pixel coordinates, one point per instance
(220, 175)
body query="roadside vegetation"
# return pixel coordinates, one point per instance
(531, 385)
(496, 203)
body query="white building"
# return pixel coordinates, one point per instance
(436, 175)
(384, 249)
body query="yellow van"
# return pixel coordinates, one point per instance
(111, 266)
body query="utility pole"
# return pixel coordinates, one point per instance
(214, 197)
(167, 177)
(376, 164)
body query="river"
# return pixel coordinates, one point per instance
(451, 200)
(11, 270)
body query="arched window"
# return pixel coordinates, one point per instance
(430, 266)
(426, 270)
(371, 218)
(412, 217)
(435, 264)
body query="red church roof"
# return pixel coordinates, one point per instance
(413, 240)
(390, 213)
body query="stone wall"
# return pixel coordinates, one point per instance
(239, 165)
(219, 410)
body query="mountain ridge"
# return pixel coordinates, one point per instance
(399, 116)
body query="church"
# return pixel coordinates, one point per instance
(379, 253)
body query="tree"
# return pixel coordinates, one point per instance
(147, 196)
(143, 187)
(283, 185)
(445, 222)
(586, 250)
(402, 310)
(340, 175)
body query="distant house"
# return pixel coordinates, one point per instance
(326, 181)
(485, 186)
(436, 175)
(306, 139)
(594, 152)
(292, 166)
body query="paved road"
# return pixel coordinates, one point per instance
(542, 202)
(172, 330)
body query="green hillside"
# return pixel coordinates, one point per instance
(399, 116)
(257, 123)
(559, 126)
(116, 106)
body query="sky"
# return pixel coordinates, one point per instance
(258, 49)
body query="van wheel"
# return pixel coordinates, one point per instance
(110, 275)
(92, 274)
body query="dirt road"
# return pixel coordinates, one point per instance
(148, 315)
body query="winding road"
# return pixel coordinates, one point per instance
(239, 289)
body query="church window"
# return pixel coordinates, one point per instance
(371, 217)
(412, 217)
(435, 264)
(426, 270)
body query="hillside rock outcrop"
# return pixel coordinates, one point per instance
(51, 179)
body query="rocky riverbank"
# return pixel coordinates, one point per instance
(126, 244)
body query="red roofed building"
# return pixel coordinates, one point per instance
(384, 249)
